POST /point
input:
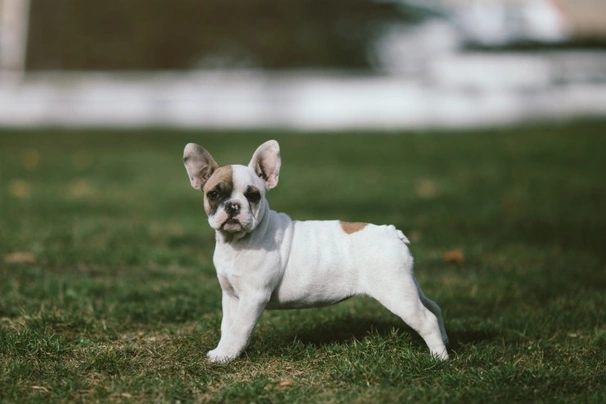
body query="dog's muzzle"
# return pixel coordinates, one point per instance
(232, 209)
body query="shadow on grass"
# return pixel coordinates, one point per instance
(347, 329)
(459, 340)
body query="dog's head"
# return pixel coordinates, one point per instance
(234, 195)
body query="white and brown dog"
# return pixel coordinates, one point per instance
(266, 260)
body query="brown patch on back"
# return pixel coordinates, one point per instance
(352, 227)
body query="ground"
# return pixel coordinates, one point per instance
(108, 292)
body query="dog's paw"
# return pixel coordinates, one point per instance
(215, 356)
(441, 355)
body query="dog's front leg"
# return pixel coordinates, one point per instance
(235, 337)
(229, 306)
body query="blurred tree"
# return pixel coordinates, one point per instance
(187, 34)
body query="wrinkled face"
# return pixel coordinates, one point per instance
(234, 195)
(234, 198)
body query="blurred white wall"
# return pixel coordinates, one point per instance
(454, 91)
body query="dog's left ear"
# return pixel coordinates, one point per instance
(266, 163)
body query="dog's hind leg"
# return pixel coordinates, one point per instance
(403, 298)
(435, 309)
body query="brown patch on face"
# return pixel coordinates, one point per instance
(218, 187)
(349, 227)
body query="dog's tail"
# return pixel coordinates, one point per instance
(402, 237)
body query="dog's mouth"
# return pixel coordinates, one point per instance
(232, 225)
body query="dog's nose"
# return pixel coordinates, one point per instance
(232, 208)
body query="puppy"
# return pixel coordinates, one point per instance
(264, 259)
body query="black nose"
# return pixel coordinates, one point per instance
(232, 208)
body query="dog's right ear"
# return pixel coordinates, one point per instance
(199, 165)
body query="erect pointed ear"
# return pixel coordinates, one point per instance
(199, 165)
(266, 163)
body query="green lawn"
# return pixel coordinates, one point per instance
(108, 293)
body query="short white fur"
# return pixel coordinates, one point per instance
(265, 260)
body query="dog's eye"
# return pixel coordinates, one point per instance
(253, 195)
(212, 195)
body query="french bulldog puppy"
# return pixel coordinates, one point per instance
(266, 260)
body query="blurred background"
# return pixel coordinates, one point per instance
(301, 64)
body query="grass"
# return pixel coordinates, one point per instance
(108, 293)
